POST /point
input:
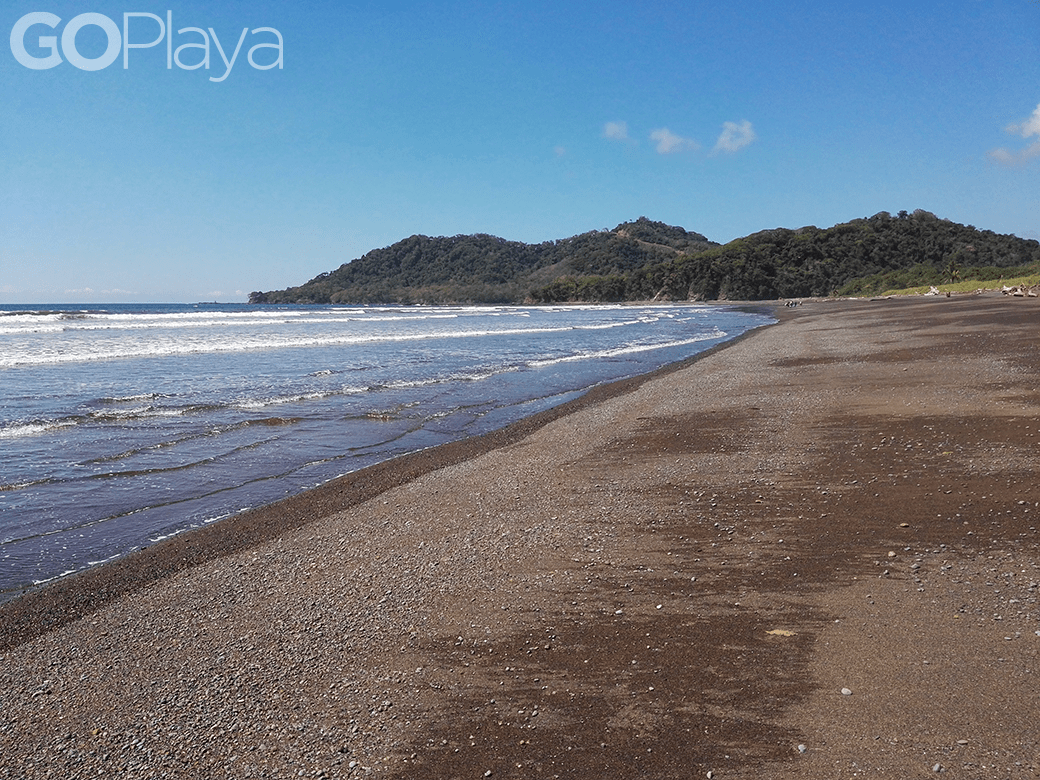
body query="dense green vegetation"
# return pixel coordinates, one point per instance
(486, 269)
(861, 257)
(645, 260)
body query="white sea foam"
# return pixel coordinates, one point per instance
(461, 376)
(104, 560)
(33, 329)
(94, 351)
(621, 324)
(15, 431)
(45, 580)
(163, 537)
(260, 403)
(131, 321)
(629, 350)
(127, 399)
(138, 413)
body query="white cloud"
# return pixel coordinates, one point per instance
(734, 137)
(1011, 159)
(1026, 129)
(1029, 127)
(616, 131)
(560, 151)
(670, 143)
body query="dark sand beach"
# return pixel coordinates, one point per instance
(812, 553)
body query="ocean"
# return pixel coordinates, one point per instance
(122, 425)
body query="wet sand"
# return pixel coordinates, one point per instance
(673, 576)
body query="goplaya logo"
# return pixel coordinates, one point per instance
(145, 32)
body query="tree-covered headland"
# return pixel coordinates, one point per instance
(647, 260)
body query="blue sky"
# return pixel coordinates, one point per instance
(528, 120)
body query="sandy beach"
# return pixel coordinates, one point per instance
(812, 553)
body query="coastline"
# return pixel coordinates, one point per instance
(676, 576)
(56, 603)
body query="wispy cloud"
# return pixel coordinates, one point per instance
(670, 143)
(1026, 129)
(1029, 127)
(734, 137)
(1011, 159)
(616, 131)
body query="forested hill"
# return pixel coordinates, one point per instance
(861, 257)
(646, 260)
(486, 269)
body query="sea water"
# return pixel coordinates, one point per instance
(121, 425)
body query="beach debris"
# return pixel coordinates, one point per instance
(802, 748)
(846, 692)
(1020, 291)
(780, 632)
(933, 291)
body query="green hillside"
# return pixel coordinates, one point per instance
(646, 260)
(861, 257)
(486, 269)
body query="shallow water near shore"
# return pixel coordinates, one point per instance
(121, 425)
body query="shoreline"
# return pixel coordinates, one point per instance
(38, 610)
(812, 552)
